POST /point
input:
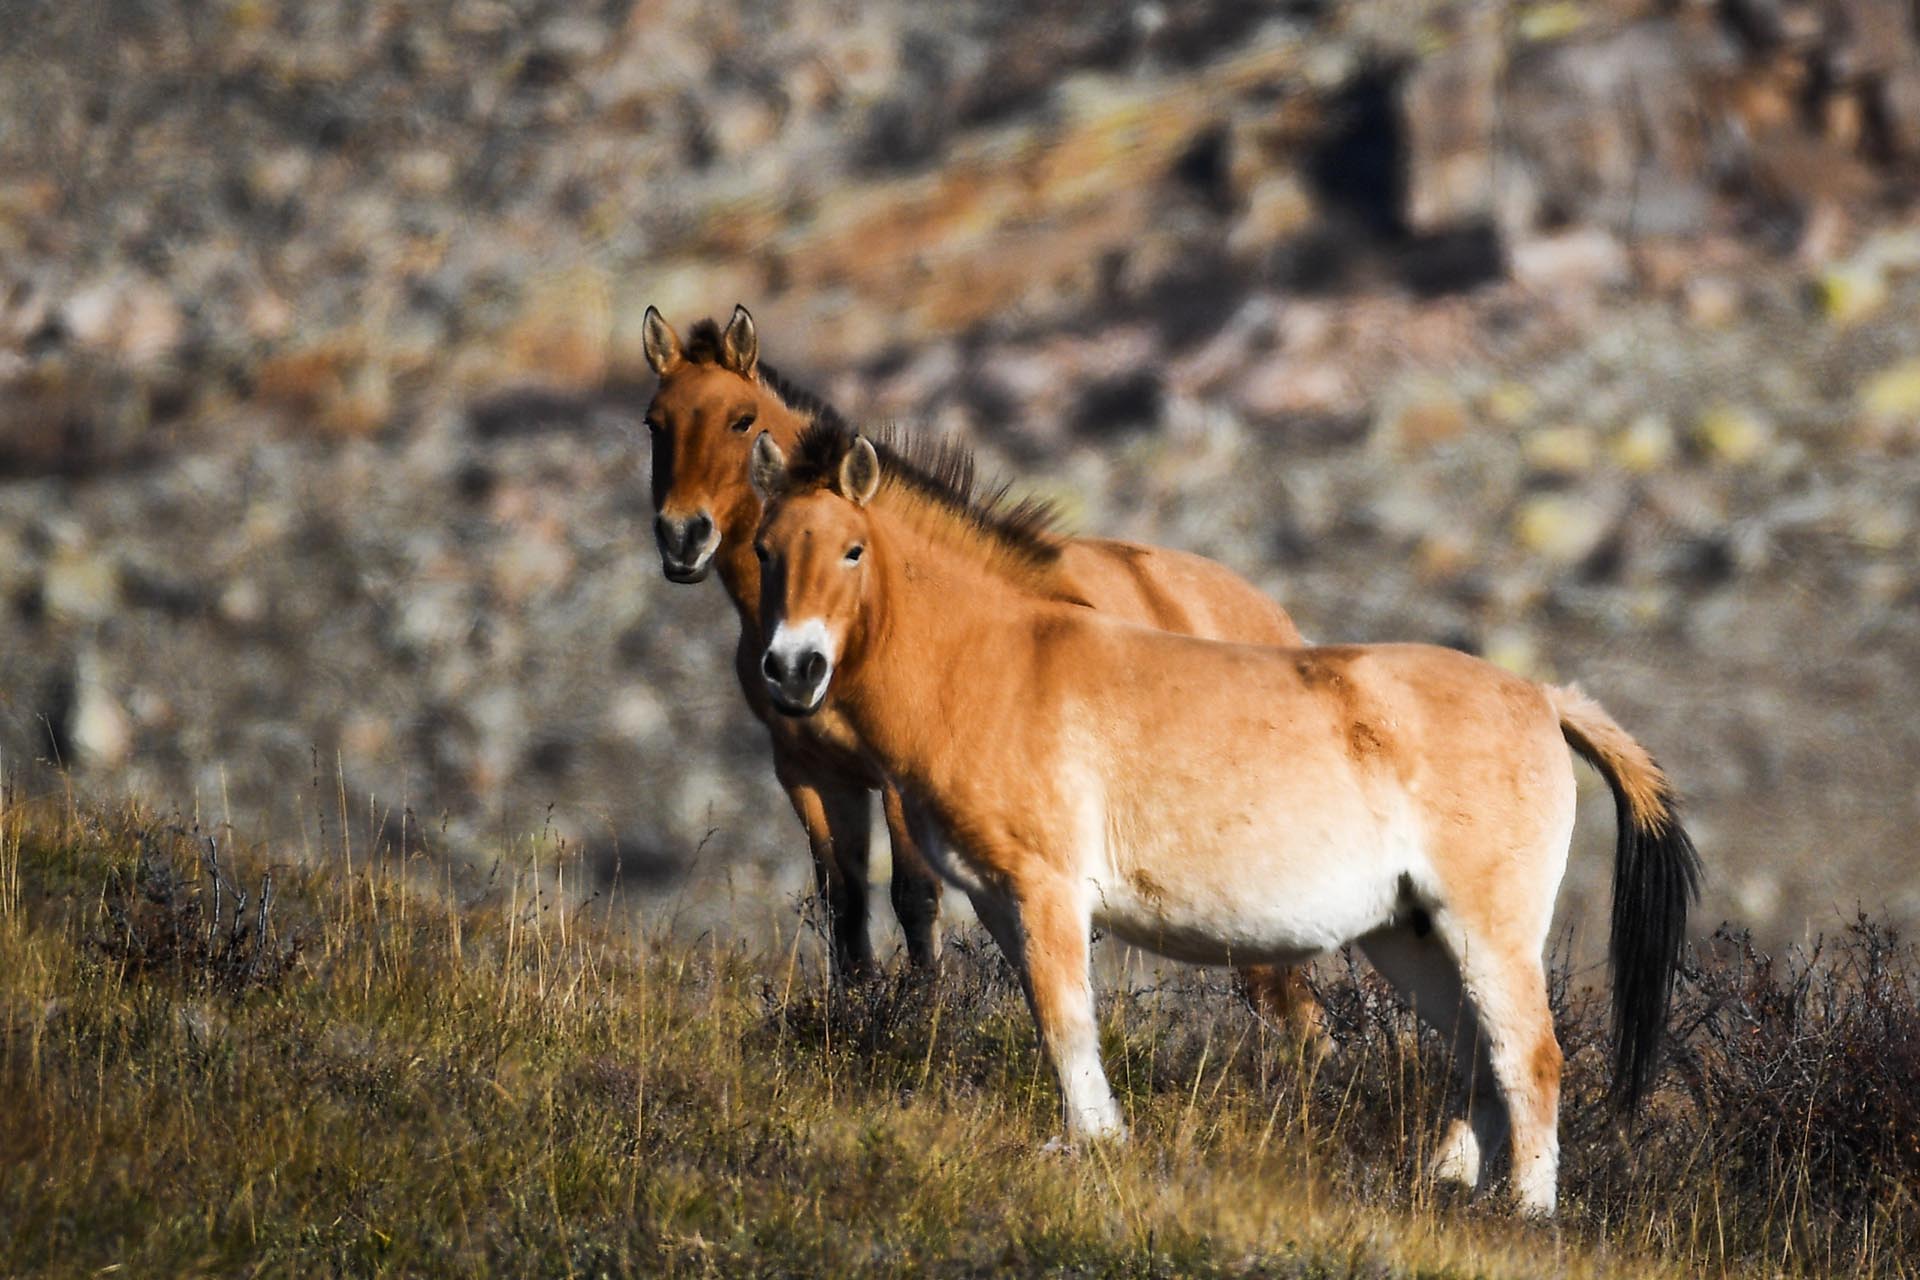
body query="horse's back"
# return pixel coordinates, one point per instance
(1173, 591)
(1345, 766)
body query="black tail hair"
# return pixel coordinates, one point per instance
(1656, 878)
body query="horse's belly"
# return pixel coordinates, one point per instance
(1279, 922)
(1253, 909)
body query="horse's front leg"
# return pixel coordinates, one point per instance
(837, 813)
(1046, 931)
(915, 889)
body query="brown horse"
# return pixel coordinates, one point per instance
(716, 396)
(1215, 802)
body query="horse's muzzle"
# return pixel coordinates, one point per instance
(686, 546)
(796, 679)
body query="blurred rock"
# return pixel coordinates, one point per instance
(1563, 528)
(1518, 651)
(1733, 433)
(319, 394)
(1890, 401)
(1421, 416)
(1712, 301)
(1451, 105)
(1561, 450)
(1646, 444)
(1583, 260)
(1509, 404)
(80, 585)
(131, 319)
(1851, 291)
(101, 731)
(1279, 206)
(1279, 388)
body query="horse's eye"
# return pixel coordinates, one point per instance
(744, 421)
(761, 552)
(854, 553)
(653, 424)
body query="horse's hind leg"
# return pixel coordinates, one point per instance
(1508, 987)
(915, 889)
(1279, 993)
(1423, 970)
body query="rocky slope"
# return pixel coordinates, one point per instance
(1580, 335)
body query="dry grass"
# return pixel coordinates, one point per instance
(371, 1077)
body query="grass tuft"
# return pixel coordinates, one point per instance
(358, 1072)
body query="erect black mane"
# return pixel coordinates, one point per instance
(703, 347)
(940, 471)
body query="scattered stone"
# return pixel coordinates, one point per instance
(1852, 291)
(1733, 433)
(1565, 528)
(636, 714)
(1582, 260)
(242, 602)
(1445, 554)
(1890, 399)
(1553, 20)
(101, 731)
(563, 334)
(1517, 651)
(1757, 894)
(572, 38)
(1880, 528)
(1563, 450)
(1509, 403)
(80, 586)
(425, 172)
(134, 320)
(1646, 444)
(1279, 206)
(1279, 388)
(1712, 302)
(1422, 416)
(528, 565)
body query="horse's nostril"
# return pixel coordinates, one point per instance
(770, 666)
(816, 667)
(663, 531)
(695, 535)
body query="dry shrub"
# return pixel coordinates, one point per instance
(1805, 1069)
(177, 911)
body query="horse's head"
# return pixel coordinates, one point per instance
(815, 570)
(711, 405)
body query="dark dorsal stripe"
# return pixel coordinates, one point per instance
(940, 472)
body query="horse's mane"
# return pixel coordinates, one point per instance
(703, 347)
(937, 478)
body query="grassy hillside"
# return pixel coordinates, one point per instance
(348, 1070)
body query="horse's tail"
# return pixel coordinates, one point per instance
(1656, 876)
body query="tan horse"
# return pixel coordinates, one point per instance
(715, 397)
(1214, 802)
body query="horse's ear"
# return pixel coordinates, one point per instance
(860, 472)
(660, 342)
(740, 345)
(768, 470)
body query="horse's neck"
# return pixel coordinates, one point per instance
(740, 573)
(937, 634)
